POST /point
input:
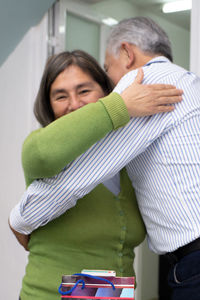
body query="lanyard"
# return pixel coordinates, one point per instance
(155, 62)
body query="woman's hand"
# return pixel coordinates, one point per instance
(23, 239)
(149, 99)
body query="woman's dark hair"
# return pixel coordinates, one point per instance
(57, 64)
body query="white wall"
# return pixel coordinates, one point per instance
(19, 79)
(195, 38)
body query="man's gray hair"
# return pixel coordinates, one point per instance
(141, 32)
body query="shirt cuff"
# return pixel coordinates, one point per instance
(17, 222)
(117, 110)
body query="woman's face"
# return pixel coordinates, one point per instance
(73, 89)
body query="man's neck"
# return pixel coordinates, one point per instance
(143, 60)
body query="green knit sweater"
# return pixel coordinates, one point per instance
(101, 231)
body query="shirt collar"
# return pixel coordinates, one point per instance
(157, 59)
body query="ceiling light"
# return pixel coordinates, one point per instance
(61, 29)
(110, 21)
(177, 6)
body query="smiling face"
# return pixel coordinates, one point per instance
(73, 89)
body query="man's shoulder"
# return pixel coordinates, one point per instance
(163, 72)
(155, 71)
(125, 81)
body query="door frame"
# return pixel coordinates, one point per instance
(57, 25)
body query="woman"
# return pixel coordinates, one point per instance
(101, 231)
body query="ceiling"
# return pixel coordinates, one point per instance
(17, 17)
(180, 18)
(155, 6)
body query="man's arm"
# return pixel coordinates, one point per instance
(48, 150)
(46, 199)
(23, 239)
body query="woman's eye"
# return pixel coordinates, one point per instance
(84, 91)
(61, 97)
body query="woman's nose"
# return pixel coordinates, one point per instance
(74, 103)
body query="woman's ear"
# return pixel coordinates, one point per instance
(128, 52)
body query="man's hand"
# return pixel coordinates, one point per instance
(149, 99)
(23, 239)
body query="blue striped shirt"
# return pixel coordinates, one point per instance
(162, 157)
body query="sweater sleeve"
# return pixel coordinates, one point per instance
(48, 150)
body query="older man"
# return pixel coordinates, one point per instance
(161, 154)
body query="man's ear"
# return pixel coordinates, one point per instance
(128, 51)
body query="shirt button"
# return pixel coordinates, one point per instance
(120, 254)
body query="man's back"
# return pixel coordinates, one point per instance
(165, 173)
